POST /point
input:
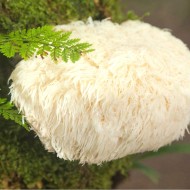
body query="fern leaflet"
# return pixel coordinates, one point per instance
(9, 112)
(43, 41)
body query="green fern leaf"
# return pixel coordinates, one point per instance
(43, 41)
(55, 53)
(65, 36)
(8, 49)
(65, 55)
(8, 112)
(75, 55)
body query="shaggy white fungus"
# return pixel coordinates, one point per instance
(132, 94)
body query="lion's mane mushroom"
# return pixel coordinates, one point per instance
(132, 94)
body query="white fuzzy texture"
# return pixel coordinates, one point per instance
(132, 94)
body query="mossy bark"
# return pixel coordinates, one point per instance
(23, 162)
(17, 14)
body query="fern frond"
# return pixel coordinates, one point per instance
(131, 15)
(9, 112)
(41, 41)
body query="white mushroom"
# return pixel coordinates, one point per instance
(132, 94)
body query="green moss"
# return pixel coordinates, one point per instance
(23, 161)
(25, 164)
(18, 14)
